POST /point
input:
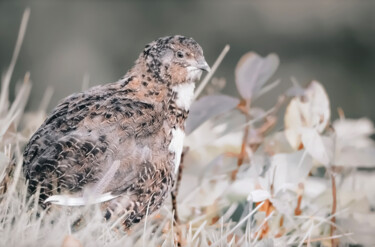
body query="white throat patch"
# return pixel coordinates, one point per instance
(185, 94)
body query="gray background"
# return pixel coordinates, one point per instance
(331, 41)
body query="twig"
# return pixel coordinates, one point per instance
(268, 209)
(213, 69)
(297, 210)
(260, 232)
(334, 242)
(244, 107)
(174, 193)
(341, 113)
(241, 157)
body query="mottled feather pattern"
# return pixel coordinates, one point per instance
(116, 139)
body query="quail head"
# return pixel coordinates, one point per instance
(119, 144)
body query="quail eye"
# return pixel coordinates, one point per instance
(180, 54)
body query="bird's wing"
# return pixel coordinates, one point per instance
(93, 196)
(79, 138)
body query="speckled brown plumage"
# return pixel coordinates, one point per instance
(120, 139)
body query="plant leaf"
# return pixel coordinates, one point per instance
(354, 146)
(312, 110)
(208, 107)
(253, 71)
(258, 195)
(289, 169)
(319, 147)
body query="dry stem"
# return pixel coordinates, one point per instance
(174, 197)
(297, 210)
(244, 108)
(334, 242)
(178, 181)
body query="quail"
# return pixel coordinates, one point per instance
(119, 144)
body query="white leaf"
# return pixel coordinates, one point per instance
(208, 193)
(353, 157)
(253, 71)
(287, 170)
(360, 183)
(277, 143)
(312, 110)
(354, 132)
(362, 227)
(258, 195)
(208, 107)
(354, 146)
(239, 190)
(314, 186)
(319, 147)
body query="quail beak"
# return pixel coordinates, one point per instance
(203, 66)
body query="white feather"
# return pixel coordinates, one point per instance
(176, 146)
(67, 200)
(185, 94)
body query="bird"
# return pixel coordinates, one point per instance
(119, 144)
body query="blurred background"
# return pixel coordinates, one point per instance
(330, 41)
